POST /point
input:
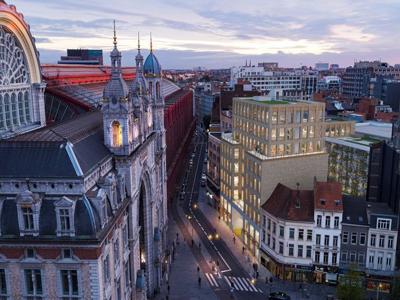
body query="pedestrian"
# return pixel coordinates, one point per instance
(198, 269)
(257, 275)
(199, 281)
(192, 242)
(168, 288)
(166, 297)
(232, 286)
(243, 250)
(234, 240)
(266, 280)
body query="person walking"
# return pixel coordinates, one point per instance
(198, 269)
(168, 288)
(199, 281)
(243, 250)
(234, 240)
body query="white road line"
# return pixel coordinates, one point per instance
(252, 286)
(246, 287)
(238, 284)
(234, 283)
(227, 281)
(215, 281)
(210, 280)
(245, 283)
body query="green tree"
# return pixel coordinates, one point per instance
(351, 286)
(395, 292)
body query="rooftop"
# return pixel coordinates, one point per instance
(291, 205)
(354, 211)
(328, 196)
(361, 143)
(378, 130)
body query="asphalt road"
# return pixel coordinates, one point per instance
(224, 274)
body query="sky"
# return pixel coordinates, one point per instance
(220, 33)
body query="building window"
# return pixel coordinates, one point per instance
(352, 256)
(300, 251)
(106, 270)
(318, 239)
(273, 244)
(317, 256)
(127, 275)
(335, 241)
(361, 259)
(268, 239)
(326, 240)
(371, 260)
(116, 134)
(280, 248)
(326, 256)
(69, 284)
(116, 252)
(380, 261)
(274, 228)
(336, 222)
(362, 238)
(344, 256)
(281, 231)
(345, 237)
(390, 241)
(373, 240)
(381, 241)
(125, 236)
(27, 214)
(301, 234)
(383, 224)
(309, 235)
(65, 224)
(269, 224)
(263, 236)
(33, 284)
(291, 233)
(334, 258)
(353, 238)
(327, 221)
(3, 284)
(389, 262)
(291, 249)
(308, 251)
(319, 220)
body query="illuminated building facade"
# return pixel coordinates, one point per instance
(271, 142)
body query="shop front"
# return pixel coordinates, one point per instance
(379, 283)
(326, 274)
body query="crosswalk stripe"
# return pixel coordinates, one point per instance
(234, 282)
(238, 284)
(215, 280)
(244, 283)
(252, 286)
(227, 281)
(211, 280)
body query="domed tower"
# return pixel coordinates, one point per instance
(152, 72)
(118, 119)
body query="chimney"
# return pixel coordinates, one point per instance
(298, 196)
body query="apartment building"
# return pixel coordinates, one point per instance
(271, 142)
(328, 213)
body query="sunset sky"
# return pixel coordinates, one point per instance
(221, 33)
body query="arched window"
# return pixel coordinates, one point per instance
(158, 89)
(14, 109)
(7, 110)
(27, 109)
(151, 88)
(1, 113)
(21, 108)
(116, 134)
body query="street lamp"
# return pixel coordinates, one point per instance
(377, 290)
(210, 237)
(195, 206)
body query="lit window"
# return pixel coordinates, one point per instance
(116, 134)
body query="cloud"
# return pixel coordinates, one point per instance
(350, 33)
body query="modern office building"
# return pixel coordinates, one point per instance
(286, 84)
(356, 79)
(213, 167)
(387, 89)
(271, 142)
(349, 162)
(82, 57)
(329, 83)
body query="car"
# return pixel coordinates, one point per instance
(203, 183)
(278, 296)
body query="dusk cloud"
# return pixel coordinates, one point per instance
(285, 29)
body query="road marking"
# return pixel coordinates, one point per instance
(241, 284)
(212, 280)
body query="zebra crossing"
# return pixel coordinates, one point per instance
(241, 284)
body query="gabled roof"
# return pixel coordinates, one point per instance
(291, 205)
(328, 196)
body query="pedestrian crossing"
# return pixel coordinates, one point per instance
(241, 284)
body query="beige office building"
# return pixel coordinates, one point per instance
(271, 142)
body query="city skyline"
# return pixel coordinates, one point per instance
(221, 34)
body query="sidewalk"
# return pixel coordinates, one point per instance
(183, 274)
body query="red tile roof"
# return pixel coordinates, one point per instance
(283, 204)
(328, 196)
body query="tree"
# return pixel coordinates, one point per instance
(351, 286)
(206, 121)
(395, 292)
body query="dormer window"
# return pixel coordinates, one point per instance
(65, 209)
(28, 208)
(322, 201)
(383, 224)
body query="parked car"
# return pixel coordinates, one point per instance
(278, 296)
(203, 183)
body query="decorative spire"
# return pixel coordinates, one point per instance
(138, 42)
(115, 36)
(151, 43)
